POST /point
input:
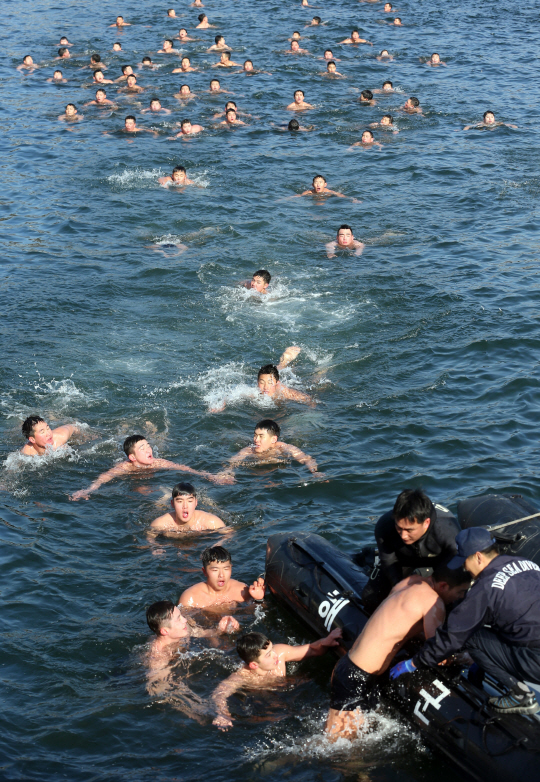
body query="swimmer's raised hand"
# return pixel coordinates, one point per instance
(221, 722)
(228, 624)
(256, 590)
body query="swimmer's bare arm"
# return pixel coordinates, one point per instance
(330, 249)
(165, 464)
(288, 355)
(228, 472)
(220, 696)
(296, 396)
(300, 456)
(63, 433)
(105, 477)
(316, 649)
(227, 624)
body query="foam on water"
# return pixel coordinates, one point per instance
(136, 178)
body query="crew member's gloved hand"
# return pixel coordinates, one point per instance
(406, 666)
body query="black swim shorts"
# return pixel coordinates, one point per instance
(352, 688)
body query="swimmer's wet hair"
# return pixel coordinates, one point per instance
(328, 50)
(216, 81)
(488, 112)
(413, 504)
(390, 117)
(268, 369)
(185, 122)
(367, 94)
(184, 85)
(435, 53)
(344, 227)
(330, 62)
(293, 125)
(263, 274)
(319, 176)
(317, 19)
(101, 90)
(226, 54)
(297, 91)
(184, 489)
(269, 426)
(154, 100)
(58, 71)
(98, 70)
(250, 646)
(453, 578)
(131, 76)
(355, 31)
(159, 614)
(131, 441)
(62, 51)
(230, 111)
(146, 59)
(246, 62)
(71, 104)
(125, 67)
(30, 424)
(415, 102)
(388, 82)
(229, 104)
(215, 554)
(219, 38)
(95, 58)
(183, 170)
(296, 32)
(117, 43)
(201, 17)
(168, 40)
(63, 38)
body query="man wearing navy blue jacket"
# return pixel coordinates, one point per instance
(505, 596)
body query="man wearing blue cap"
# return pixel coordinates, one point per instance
(505, 596)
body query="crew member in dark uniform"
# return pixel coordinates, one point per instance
(505, 597)
(415, 534)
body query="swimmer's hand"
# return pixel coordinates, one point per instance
(223, 723)
(406, 666)
(319, 475)
(218, 409)
(288, 355)
(323, 644)
(223, 478)
(228, 624)
(256, 590)
(83, 494)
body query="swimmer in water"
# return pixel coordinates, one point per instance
(231, 105)
(131, 85)
(185, 66)
(184, 93)
(219, 45)
(197, 4)
(386, 123)
(183, 35)
(412, 106)
(345, 241)
(120, 22)
(57, 78)
(388, 8)
(225, 61)
(70, 114)
(248, 68)
(117, 46)
(41, 438)
(231, 118)
(184, 516)
(295, 49)
(139, 460)
(168, 47)
(386, 88)
(178, 178)
(366, 97)
(146, 63)
(130, 126)
(187, 129)
(355, 38)
(28, 64)
(299, 102)
(99, 78)
(64, 41)
(329, 56)
(434, 60)
(156, 108)
(259, 282)
(320, 189)
(95, 63)
(101, 100)
(331, 70)
(294, 125)
(384, 56)
(264, 666)
(215, 86)
(171, 13)
(268, 380)
(127, 70)
(367, 141)
(488, 122)
(397, 22)
(168, 249)
(268, 449)
(63, 53)
(203, 23)
(315, 22)
(219, 588)
(295, 36)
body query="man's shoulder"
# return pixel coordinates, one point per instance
(209, 519)
(195, 595)
(167, 521)
(28, 450)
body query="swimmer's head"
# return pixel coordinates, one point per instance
(489, 118)
(63, 52)
(266, 435)
(230, 115)
(387, 85)
(319, 183)
(130, 122)
(316, 20)
(119, 20)
(328, 54)
(412, 103)
(385, 53)
(387, 119)
(435, 59)
(127, 70)
(57, 75)
(268, 379)
(155, 104)
(185, 90)
(344, 235)
(215, 85)
(178, 174)
(355, 35)
(185, 125)
(295, 36)
(367, 137)
(64, 41)
(166, 619)
(182, 33)
(293, 125)
(95, 58)
(171, 12)
(331, 67)
(219, 39)
(295, 46)
(387, 7)
(167, 44)
(98, 75)
(450, 585)
(201, 17)
(30, 424)
(146, 60)
(100, 96)
(248, 65)
(230, 105)
(299, 96)
(117, 46)
(28, 60)
(260, 282)
(71, 110)
(217, 567)
(225, 56)
(257, 651)
(366, 95)
(185, 62)
(184, 501)
(397, 21)
(131, 80)
(136, 447)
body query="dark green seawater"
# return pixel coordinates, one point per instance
(422, 353)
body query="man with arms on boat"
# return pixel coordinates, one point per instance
(414, 534)
(498, 622)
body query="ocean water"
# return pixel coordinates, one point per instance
(422, 353)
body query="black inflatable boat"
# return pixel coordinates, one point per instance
(323, 587)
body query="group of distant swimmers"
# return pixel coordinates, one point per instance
(408, 606)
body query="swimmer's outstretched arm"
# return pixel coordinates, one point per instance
(301, 457)
(291, 654)
(227, 475)
(220, 696)
(296, 396)
(288, 355)
(165, 464)
(105, 477)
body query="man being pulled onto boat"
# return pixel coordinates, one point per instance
(504, 596)
(415, 534)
